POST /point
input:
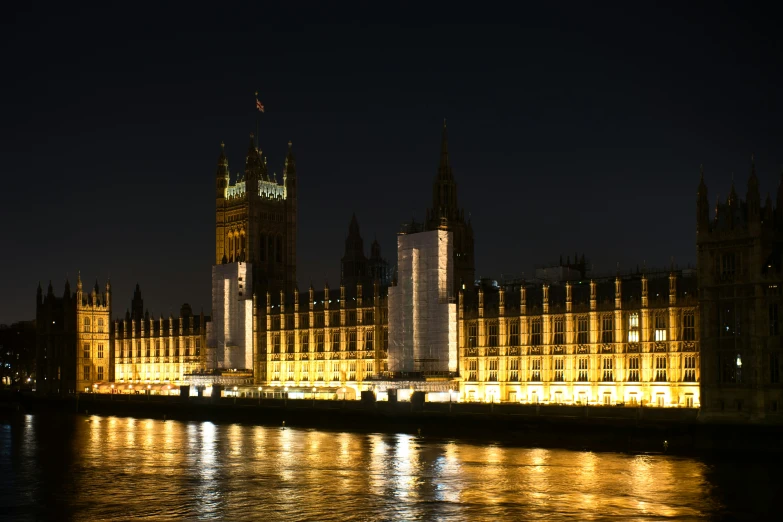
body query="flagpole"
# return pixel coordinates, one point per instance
(256, 111)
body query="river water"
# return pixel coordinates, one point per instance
(68, 467)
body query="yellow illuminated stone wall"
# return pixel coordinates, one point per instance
(94, 361)
(563, 353)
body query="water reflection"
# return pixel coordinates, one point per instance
(120, 468)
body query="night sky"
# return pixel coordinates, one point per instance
(578, 129)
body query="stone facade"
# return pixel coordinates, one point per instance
(157, 352)
(740, 262)
(629, 340)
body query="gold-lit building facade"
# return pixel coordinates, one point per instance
(328, 340)
(157, 352)
(95, 359)
(629, 340)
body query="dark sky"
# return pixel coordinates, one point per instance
(571, 129)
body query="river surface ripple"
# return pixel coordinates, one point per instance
(68, 467)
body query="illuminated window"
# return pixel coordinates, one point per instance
(100, 373)
(320, 371)
(582, 371)
(157, 348)
(86, 325)
(100, 351)
(305, 342)
(138, 348)
(100, 325)
(369, 336)
(660, 368)
(352, 342)
(290, 371)
(86, 373)
(319, 342)
(559, 336)
(305, 371)
(385, 345)
(660, 327)
(369, 368)
(86, 351)
(582, 334)
(493, 370)
(608, 369)
(513, 374)
(336, 342)
(559, 365)
(335, 371)
(633, 320)
(632, 400)
(633, 369)
(289, 343)
(351, 371)
(535, 370)
(633, 328)
(276, 343)
(275, 371)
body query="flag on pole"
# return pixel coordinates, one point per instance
(259, 105)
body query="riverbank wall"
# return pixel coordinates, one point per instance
(621, 429)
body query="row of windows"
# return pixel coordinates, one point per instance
(334, 344)
(368, 317)
(86, 373)
(607, 370)
(321, 370)
(146, 349)
(98, 325)
(582, 332)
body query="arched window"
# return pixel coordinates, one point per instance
(86, 324)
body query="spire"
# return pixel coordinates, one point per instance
(444, 169)
(290, 162)
(732, 200)
(79, 281)
(253, 164)
(353, 228)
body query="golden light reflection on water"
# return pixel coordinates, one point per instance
(160, 469)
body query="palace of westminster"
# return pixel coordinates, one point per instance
(707, 338)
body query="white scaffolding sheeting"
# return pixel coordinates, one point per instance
(230, 341)
(422, 312)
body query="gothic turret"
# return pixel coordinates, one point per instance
(253, 163)
(353, 267)
(222, 176)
